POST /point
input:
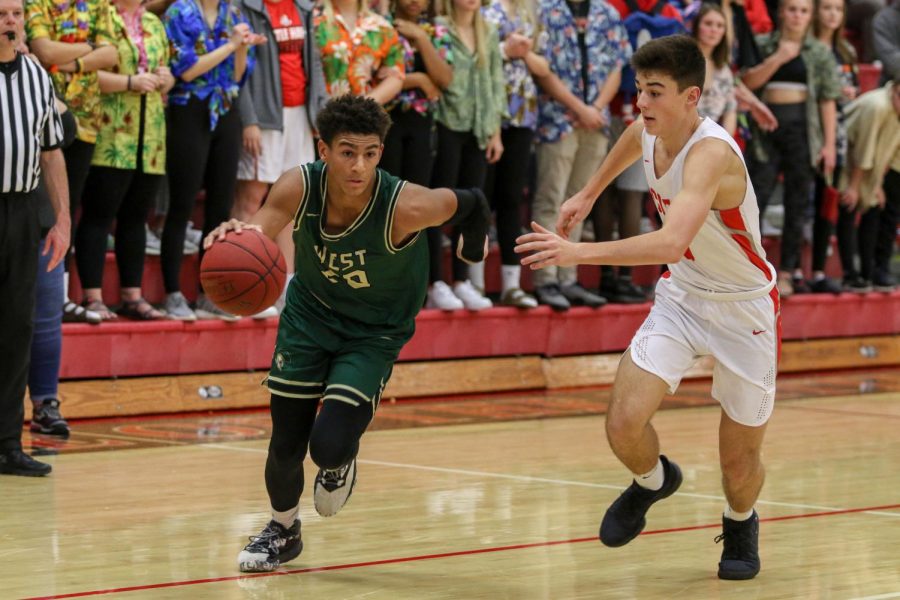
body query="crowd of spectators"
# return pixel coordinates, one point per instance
(521, 98)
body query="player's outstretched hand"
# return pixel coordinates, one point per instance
(572, 212)
(544, 248)
(218, 234)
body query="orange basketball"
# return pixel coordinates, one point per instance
(244, 273)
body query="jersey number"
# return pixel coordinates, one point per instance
(355, 279)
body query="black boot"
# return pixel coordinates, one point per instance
(740, 556)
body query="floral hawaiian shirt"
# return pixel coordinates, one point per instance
(414, 99)
(120, 112)
(351, 59)
(189, 38)
(520, 88)
(74, 22)
(608, 50)
(476, 98)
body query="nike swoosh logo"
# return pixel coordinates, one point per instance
(758, 331)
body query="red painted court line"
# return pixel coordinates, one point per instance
(404, 559)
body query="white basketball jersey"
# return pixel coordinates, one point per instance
(726, 259)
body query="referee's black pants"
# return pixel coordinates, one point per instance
(20, 235)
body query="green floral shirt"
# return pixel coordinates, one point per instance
(822, 84)
(120, 112)
(476, 99)
(74, 21)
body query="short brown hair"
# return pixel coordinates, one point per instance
(677, 56)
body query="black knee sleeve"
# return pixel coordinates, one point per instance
(473, 216)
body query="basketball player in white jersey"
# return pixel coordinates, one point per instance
(718, 297)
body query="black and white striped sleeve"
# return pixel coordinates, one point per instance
(52, 133)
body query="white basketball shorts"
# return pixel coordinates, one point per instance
(744, 337)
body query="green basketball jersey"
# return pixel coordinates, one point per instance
(358, 273)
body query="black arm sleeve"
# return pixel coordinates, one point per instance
(473, 216)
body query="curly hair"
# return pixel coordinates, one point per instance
(352, 114)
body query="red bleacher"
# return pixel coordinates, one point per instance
(129, 348)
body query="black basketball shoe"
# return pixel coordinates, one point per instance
(740, 555)
(625, 518)
(273, 546)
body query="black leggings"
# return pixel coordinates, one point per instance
(506, 181)
(197, 158)
(788, 150)
(459, 163)
(78, 157)
(125, 196)
(408, 152)
(332, 438)
(105, 190)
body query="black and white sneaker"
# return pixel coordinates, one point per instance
(333, 489)
(47, 419)
(273, 546)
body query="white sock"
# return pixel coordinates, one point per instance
(65, 287)
(287, 517)
(732, 514)
(476, 275)
(652, 479)
(512, 275)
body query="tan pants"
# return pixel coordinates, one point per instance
(563, 168)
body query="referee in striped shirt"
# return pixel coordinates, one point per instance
(31, 134)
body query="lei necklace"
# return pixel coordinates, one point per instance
(74, 31)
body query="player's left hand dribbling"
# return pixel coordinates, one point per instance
(544, 248)
(218, 234)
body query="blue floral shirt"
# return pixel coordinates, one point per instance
(189, 38)
(608, 50)
(520, 88)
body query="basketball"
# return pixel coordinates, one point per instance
(244, 273)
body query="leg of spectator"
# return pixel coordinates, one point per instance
(555, 162)
(472, 173)
(105, 191)
(795, 164)
(887, 229)
(187, 150)
(131, 240)
(46, 342)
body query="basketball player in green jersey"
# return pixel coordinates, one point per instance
(361, 277)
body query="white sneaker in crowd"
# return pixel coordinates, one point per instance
(441, 296)
(153, 244)
(472, 297)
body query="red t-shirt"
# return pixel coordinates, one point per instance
(290, 35)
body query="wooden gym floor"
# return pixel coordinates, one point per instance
(490, 497)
